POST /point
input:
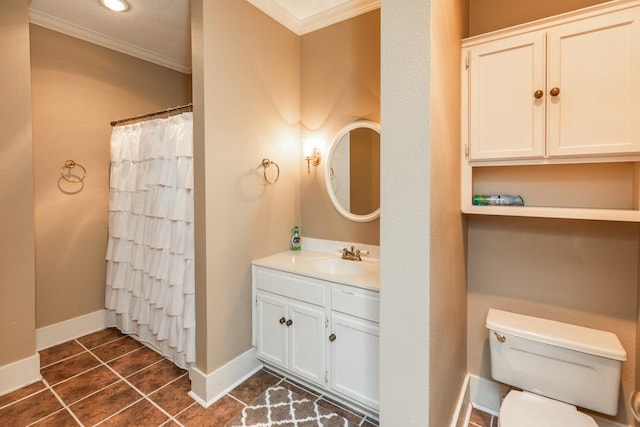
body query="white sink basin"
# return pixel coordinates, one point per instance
(337, 266)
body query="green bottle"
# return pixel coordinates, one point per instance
(295, 240)
(497, 200)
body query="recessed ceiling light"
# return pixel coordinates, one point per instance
(115, 5)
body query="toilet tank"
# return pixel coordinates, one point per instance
(573, 364)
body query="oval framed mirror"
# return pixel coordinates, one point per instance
(352, 171)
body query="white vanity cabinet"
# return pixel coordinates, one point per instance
(354, 344)
(322, 332)
(540, 98)
(290, 323)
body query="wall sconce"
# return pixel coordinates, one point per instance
(313, 159)
(311, 153)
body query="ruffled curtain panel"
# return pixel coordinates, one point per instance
(150, 290)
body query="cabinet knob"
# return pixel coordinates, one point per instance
(332, 337)
(538, 94)
(289, 322)
(282, 320)
(554, 91)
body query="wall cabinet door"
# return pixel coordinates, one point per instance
(595, 66)
(354, 349)
(506, 119)
(291, 335)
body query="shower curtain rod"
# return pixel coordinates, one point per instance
(188, 106)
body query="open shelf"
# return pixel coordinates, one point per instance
(606, 191)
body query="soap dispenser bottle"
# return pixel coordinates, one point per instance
(295, 240)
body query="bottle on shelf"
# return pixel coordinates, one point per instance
(497, 199)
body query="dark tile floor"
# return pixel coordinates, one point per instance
(110, 379)
(479, 418)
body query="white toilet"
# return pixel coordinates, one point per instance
(558, 366)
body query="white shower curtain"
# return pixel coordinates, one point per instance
(150, 272)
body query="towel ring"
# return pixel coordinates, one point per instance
(68, 165)
(266, 163)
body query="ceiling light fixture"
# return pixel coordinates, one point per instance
(115, 5)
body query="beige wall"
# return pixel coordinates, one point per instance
(448, 290)
(78, 88)
(490, 15)
(422, 306)
(246, 77)
(340, 83)
(17, 278)
(423, 283)
(636, 382)
(581, 272)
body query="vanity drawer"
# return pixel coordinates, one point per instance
(354, 303)
(290, 286)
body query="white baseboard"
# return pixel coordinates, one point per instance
(486, 395)
(51, 335)
(463, 407)
(19, 374)
(207, 388)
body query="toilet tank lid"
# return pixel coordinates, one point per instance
(578, 338)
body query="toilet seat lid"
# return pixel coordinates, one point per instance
(523, 409)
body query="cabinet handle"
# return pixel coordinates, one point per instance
(289, 322)
(538, 94)
(332, 337)
(282, 320)
(554, 91)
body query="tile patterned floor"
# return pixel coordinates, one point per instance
(109, 379)
(479, 418)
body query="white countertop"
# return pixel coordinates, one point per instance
(305, 261)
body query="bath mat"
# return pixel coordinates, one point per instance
(279, 406)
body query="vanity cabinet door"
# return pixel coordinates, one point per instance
(271, 330)
(307, 342)
(354, 349)
(291, 335)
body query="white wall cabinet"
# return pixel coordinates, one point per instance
(574, 86)
(323, 333)
(557, 92)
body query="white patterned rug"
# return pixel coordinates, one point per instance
(279, 406)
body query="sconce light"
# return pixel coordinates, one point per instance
(313, 159)
(311, 152)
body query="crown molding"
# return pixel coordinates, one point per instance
(279, 13)
(70, 29)
(316, 22)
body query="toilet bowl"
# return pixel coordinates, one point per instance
(524, 409)
(559, 367)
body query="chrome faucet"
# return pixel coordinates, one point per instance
(353, 255)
